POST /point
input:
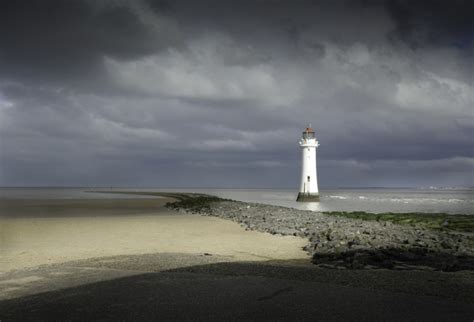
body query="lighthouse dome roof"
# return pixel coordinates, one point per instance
(309, 129)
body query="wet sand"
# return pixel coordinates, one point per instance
(53, 231)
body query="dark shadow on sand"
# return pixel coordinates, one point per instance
(249, 291)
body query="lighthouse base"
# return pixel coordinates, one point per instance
(307, 197)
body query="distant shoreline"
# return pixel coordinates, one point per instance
(233, 188)
(371, 201)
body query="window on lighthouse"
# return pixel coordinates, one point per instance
(308, 178)
(308, 135)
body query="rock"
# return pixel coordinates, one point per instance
(344, 238)
(351, 243)
(355, 264)
(445, 245)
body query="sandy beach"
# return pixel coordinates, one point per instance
(135, 259)
(48, 232)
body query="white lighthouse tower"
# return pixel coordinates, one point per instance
(309, 180)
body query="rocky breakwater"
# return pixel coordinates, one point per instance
(341, 242)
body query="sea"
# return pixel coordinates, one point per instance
(376, 200)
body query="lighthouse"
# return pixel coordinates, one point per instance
(309, 180)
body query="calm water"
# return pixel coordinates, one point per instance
(371, 200)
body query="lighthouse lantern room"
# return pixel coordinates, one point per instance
(309, 180)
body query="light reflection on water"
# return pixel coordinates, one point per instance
(370, 200)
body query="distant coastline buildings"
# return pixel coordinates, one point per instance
(309, 180)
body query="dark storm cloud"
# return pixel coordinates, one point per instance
(434, 22)
(66, 40)
(215, 93)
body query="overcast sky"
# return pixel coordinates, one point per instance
(216, 93)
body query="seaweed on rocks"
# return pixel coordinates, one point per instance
(200, 204)
(442, 221)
